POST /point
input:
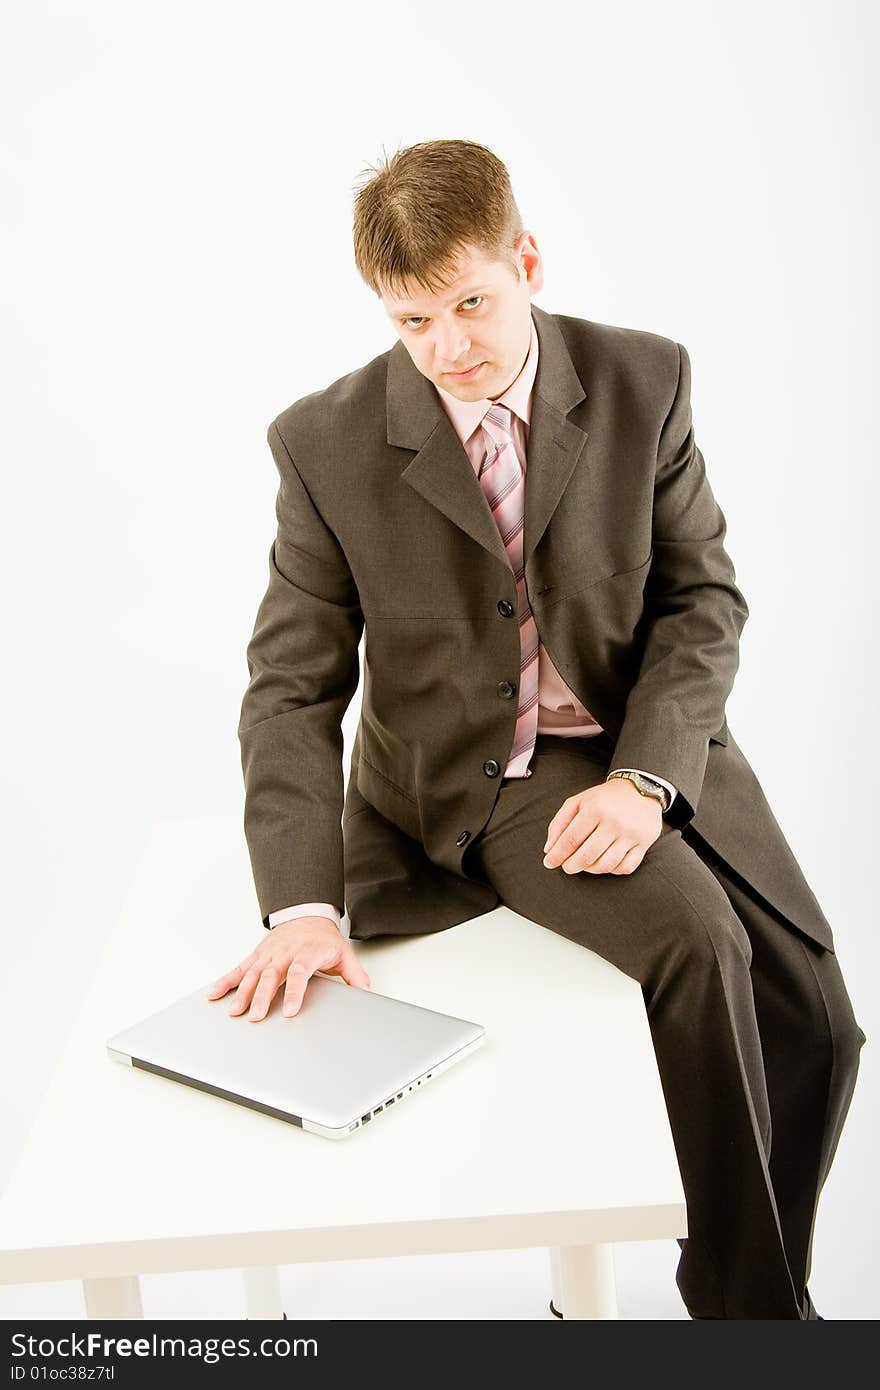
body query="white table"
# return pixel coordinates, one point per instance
(554, 1133)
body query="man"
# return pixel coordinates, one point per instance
(511, 506)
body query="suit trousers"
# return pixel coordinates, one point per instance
(756, 1042)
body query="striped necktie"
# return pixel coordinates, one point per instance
(502, 480)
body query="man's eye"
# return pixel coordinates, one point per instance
(416, 318)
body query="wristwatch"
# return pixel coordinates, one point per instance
(646, 785)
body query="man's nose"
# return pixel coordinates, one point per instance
(453, 350)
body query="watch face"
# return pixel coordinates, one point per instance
(648, 787)
(654, 789)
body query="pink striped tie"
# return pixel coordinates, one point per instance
(502, 480)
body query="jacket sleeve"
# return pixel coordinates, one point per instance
(694, 614)
(303, 665)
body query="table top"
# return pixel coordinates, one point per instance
(554, 1131)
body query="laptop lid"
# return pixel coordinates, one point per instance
(334, 1066)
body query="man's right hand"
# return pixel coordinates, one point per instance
(289, 954)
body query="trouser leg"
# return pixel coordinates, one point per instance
(671, 926)
(811, 1046)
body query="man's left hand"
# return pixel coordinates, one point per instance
(604, 830)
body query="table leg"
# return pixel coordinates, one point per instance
(583, 1284)
(113, 1298)
(262, 1292)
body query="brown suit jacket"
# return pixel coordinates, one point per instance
(384, 530)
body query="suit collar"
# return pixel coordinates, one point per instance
(441, 470)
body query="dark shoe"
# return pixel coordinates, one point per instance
(812, 1315)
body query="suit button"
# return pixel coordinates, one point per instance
(463, 837)
(491, 768)
(505, 608)
(506, 690)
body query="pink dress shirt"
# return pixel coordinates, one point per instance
(560, 712)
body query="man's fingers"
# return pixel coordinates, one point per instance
(298, 976)
(570, 838)
(353, 972)
(231, 978)
(559, 822)
(225, 983)
(591, 857)
(290, 956)
(259, 975)
(246, 986)
(630, 861)
(607, 862)
(264, 993)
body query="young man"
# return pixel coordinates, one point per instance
(511, 505)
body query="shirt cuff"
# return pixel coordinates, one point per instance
(287, 914)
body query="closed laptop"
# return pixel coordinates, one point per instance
(334, 1066)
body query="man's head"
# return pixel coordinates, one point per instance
(438, 237)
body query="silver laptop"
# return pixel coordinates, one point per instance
(347, 1055)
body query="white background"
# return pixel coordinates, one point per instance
(177, 184)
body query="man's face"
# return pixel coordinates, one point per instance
(481, 319)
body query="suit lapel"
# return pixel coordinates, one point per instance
(441, 471)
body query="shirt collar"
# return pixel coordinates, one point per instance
(466, 416)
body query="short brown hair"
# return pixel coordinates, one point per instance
(424, 206)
